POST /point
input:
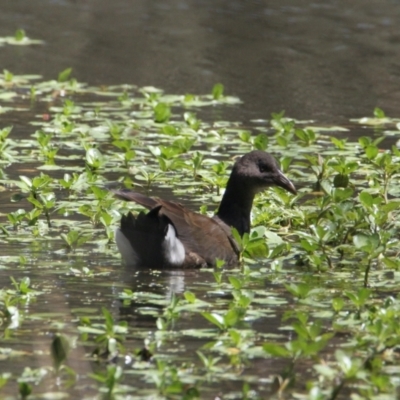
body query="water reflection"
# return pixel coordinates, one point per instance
(152, 292)
(326, 61)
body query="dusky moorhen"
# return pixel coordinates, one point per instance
(171, 236)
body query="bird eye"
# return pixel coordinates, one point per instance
(263, 168)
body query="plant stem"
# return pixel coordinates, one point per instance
(367, 273)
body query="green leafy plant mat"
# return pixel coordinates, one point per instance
(312, 311)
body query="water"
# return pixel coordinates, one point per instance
(326, 61)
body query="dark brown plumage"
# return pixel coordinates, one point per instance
(171, 236)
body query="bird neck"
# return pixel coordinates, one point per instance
(235, 207)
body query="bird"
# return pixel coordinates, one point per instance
(172, 236)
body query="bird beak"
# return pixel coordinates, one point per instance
(281, 180)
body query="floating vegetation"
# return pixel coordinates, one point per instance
(312, 311)
(19, 39)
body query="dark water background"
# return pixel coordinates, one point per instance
(323, 60)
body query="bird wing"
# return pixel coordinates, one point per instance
(129, 195)
(201, 235)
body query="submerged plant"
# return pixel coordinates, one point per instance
(310, 256)
(108, 336)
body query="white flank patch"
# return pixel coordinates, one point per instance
(173, 247)
(125, 248)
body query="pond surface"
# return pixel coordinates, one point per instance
(328, 61)
(323, 61)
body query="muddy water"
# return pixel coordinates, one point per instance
(327, 61)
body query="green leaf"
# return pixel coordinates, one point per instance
(379, 113)
(237, 237)
(59, 350)
(391, 263)
(190, 297)
(300, 290)
(326, 371)
(371, 152)
(4, 377)
(359, 298)
(63, 76)
(232, 317)
(282, 141)
(257, 248)
(162, 112)
(348, 364)
(337, 304)
(235, 282)
(340, 194)
(340, 144)
(361, 240)
(98, 192)
(108, 317)
(276, 350)
(245, 136)
(25, 389)
(19, 35)
(366, 199)
(170, 130)
(26, 181)
(218, 91)
(94, 158)
(308, 245)
(260, 142)
(391, 206)
(215, 319)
